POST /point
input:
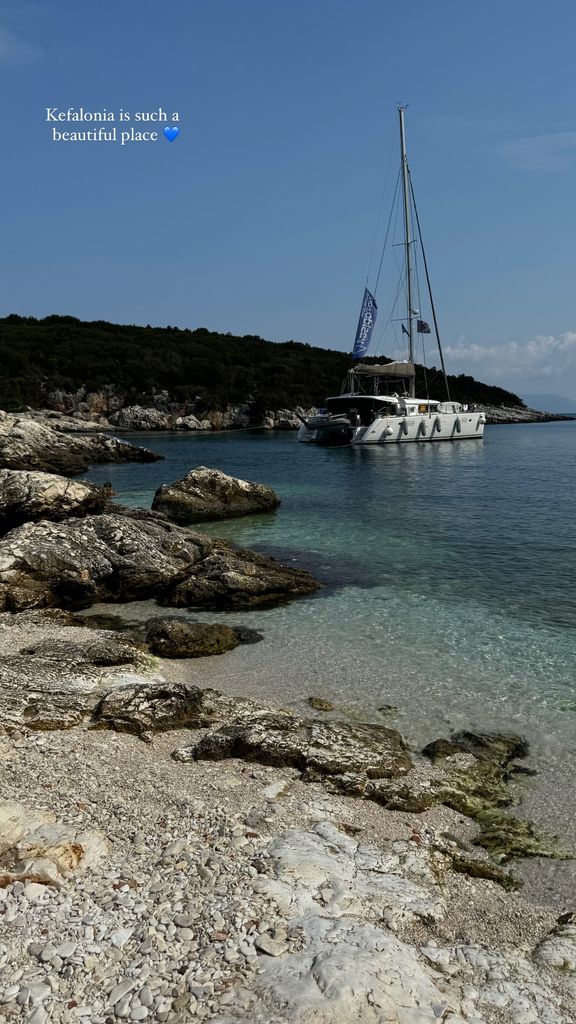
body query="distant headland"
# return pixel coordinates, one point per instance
(158, 378)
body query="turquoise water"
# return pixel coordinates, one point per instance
(449, 572)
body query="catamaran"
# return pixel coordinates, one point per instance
(378, 403)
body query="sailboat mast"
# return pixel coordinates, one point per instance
(407, 244)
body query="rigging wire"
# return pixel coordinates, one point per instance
(387, 233)
(425, 261)
(377, 227)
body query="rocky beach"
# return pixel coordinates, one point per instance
(171, 852)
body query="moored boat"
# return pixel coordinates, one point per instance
(378, 403)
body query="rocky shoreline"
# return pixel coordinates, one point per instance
(168, 852)
(144, 419)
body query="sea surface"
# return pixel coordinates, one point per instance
(449, 583)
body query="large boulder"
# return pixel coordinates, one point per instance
(28, 444)
(136, 417)
(174, 638)
(191, 422)
(234, 578)
(205, 494)
(26, 495)
(314, 746)
(104, 557)
(116, 557)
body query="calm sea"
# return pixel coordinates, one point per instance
(449, 572)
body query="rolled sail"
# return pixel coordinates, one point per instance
(366, 323)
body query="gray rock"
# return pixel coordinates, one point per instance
(26, 496)
(53, 674)
(122, 558)
(208, 494)
(147, 707)
(174, 638)
(272, 947)
(315, 746)
(27, 444)
(230, 578)
(136, 417)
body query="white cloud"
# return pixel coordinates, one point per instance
(14, 50)
(554, 152)
(546, 355)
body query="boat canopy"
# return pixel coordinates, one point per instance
(397, 369)
(355, 397)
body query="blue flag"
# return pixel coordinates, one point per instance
(366, 323)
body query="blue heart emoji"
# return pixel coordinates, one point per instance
(171, 132)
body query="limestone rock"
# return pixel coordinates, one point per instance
(326, 748)
(558, 950)
(235, 578)
(100, 558)
(158, 706)
(44, 853)
(192, 423)
(28, 444)
(12, 822)
(348, 900)
(135, 417)
(174, 638)
(120, 557)
(208, 494)
(26, 495)
(53, 673)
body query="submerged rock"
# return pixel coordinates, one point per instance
(26, 495)
(208, 494)
(475, 769)
(174, 638)
(320, 704)
(28, 444)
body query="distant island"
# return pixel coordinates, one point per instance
(95, 368)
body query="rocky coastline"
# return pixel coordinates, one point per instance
(93, 413)
(168, 852)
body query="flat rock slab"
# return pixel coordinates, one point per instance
(207, 494)
(348, 900)
(53, 674)
(327, 748)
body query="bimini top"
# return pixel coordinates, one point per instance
(355, 396)
(398, 369)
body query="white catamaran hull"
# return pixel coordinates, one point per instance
(459, 426)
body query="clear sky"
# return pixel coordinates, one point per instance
(260, 216)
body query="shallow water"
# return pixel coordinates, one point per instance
(449, 572)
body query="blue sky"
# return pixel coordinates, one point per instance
(260, 217)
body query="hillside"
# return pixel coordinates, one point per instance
(200, 370)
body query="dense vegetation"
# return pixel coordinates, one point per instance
(201, 368)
